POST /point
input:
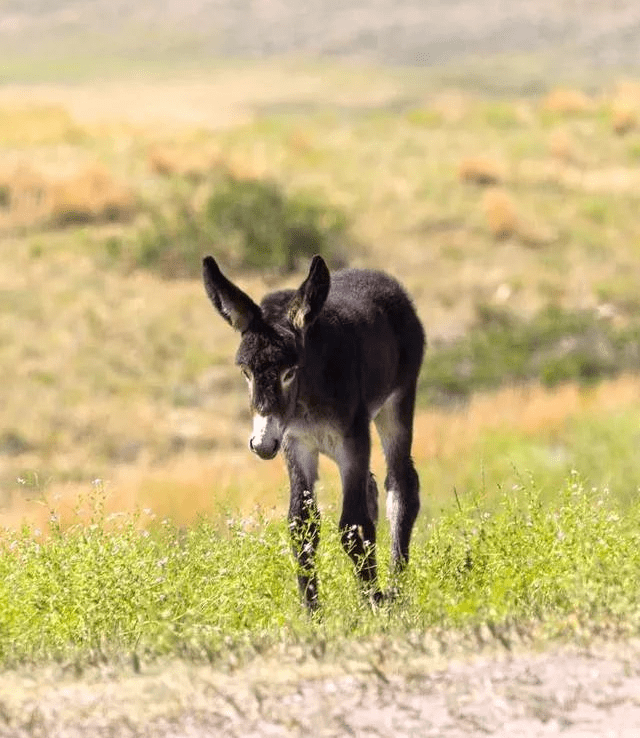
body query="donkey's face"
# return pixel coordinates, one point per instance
(271, 352)
(270, 361)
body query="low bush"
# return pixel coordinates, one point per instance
(553, 347)
(255, 223)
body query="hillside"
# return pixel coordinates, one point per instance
(572, 36)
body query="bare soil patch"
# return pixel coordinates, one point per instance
(588, 692)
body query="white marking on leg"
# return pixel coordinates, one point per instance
(393, 509)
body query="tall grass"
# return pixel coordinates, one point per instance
(114, 587)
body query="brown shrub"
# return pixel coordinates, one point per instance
(481, 170)
(562, 146)
(500, 213)
(187, 162)
(23, 194)
(624, 115)
(567, 101)
(91, 195)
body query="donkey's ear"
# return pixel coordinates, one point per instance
(237, 308)
(309, 299)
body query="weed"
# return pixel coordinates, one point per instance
(501, 115)
(274, 229)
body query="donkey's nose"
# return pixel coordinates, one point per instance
(263, 452)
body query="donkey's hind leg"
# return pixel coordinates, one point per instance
(394, 424)
(372, 498)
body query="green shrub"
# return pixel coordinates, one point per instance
(254, 222)
(553, 347)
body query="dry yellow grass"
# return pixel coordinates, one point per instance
(567, 101)
(482, 170)
(24, 194)
(194, 484)
(562, 146)
(501, 214)
(624, 115)
(452, 106)
(530, 409)
(193, 163)
(91, 194)
(36, 125)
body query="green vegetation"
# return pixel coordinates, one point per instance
(555, 346)
(110, 588)
(112, 372)
(253, 221)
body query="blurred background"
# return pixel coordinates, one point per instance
(485, 153)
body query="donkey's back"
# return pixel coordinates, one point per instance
(367, 341)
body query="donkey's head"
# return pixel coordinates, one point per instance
(271, 352)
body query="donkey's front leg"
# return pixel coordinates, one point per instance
(304, 518)
(357, 526)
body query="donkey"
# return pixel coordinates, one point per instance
(321, 362)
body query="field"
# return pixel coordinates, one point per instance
(141, 540)
(495, 210)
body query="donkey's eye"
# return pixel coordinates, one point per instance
(288, 375)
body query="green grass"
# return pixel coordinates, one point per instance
(109, 588)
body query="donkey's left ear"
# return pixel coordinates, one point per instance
(308, 301)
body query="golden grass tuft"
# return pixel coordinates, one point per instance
(567, 101)
(500, 213)
(481, 170)
(187, 162)
(562, 146)
(23, 195)
(300, 141)
(624, 115)
(90, 195)
(37, 125)
(504, 220)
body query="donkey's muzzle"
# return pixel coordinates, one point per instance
(264, 452)
(266, 436)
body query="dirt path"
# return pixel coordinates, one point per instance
(576, 693)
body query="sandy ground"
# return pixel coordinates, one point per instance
(578, 693)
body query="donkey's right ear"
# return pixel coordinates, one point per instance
(236, 307)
